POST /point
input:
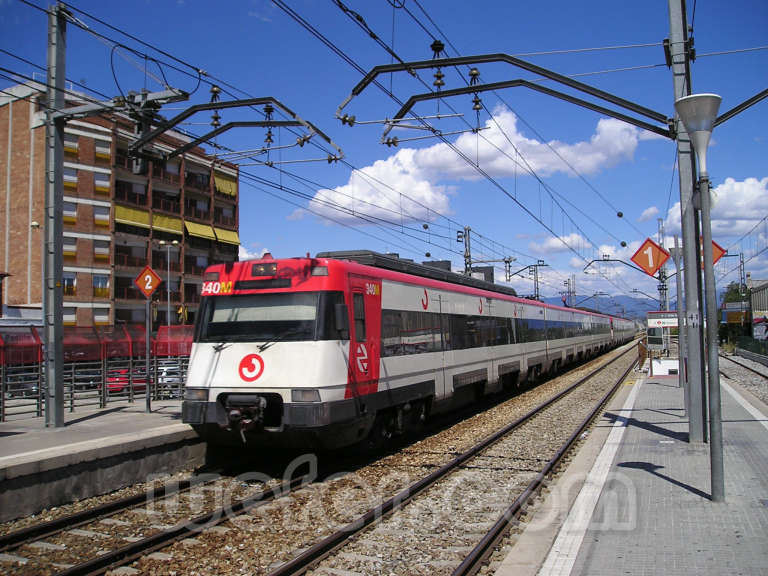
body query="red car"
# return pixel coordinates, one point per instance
(118, 381)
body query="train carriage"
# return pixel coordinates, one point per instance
(328, 351)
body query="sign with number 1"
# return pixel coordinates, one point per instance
(650, 257)
(147, 281)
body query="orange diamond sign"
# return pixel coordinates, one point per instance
(650, 257)
(147, 281)
(717, 252)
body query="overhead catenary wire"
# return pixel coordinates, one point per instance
(496, 184)
(117, 44)
(153, 47)
(555, 151)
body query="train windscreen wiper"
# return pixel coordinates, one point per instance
(279, 337)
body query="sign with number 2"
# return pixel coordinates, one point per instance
(147, 281)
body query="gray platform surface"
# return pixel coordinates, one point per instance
(30, 440)
(95, 452)
(654, 514)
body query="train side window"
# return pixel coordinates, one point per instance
(358, 304)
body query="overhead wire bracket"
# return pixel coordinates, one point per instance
(296, 120)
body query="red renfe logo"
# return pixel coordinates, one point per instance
(251, 367)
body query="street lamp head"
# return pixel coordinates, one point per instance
(175, 242)
(698, 113)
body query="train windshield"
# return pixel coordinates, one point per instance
(268, 317)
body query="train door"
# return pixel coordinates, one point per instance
(364, 336)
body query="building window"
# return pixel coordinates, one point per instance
(70, 177)
(101, 286)
(69, 247)
(69, 214)
(101, 215)
(101, 316)
(69, 284)
(101, 249)
(71, 143)
(69, 316)
(103, 149)
(101, 183)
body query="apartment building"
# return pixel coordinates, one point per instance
(177, 216)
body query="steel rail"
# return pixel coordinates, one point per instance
(314, 554)
(45, 529)
(480, 554)
(744, 366)
(136, 550)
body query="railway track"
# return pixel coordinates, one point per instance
(265, 528)
(753, 378)
(96, 538)
(494, 469)
(762, 374)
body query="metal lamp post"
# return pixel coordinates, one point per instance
(698, 113)
(168, 277)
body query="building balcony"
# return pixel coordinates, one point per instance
(225, 221)
(164, 176)
(190, 212)
(122, 160)
(193, 269)
(123, 194)
(128, 293)
(192, 296)
(129, 260)
(199, 182)
(166, 205)
(162, 265)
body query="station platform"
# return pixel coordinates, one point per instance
(95, 452)
(636, 498)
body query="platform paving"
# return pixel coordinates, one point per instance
(94, 452)
(652, 514)
(24, 439)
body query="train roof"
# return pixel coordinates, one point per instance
(378, 260)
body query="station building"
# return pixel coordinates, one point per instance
(177, 216)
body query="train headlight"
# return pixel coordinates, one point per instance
(196, 394)
(305, 395)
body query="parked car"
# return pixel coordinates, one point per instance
(169, 375)
(21, 386)
(118, 380)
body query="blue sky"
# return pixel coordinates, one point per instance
(585, 166)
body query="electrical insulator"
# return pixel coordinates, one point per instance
(268, 140)
(474, 76)
(439, 79)
(476, 103)
(437, 47)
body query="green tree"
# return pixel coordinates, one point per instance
(731, 332)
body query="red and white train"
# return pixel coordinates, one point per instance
(328, 351)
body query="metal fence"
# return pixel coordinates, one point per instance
(101, 365)
(752, 345)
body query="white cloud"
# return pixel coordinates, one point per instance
(422, 173)
(246, 254)
(648, 214)
(559, 244)
(736, 208)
